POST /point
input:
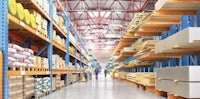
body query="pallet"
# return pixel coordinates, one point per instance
(29, 68)
(41, 95)
(16, 68)
(160, 93)
(172, 96)
(40, 69)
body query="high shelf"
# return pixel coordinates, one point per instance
(14, 30)
(173, 55)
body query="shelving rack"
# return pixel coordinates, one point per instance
(47, 46)
(174, 22)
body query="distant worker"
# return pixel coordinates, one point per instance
(105, 72)
(96, 73)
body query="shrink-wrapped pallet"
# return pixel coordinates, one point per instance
(38, 86)
(28, 87)
(15, 84)
(46, 84)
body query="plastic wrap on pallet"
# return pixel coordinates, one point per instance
(38, 86)
(15, 84)
(28, 86)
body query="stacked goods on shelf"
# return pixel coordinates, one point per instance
(38, 86)
(146, 79)
(28, 87)
(123, 75)
(44, 4)
(20, 12)
(44, 63)
(17, 9)
(59, 83)
(41, 62)
(137, 20)
(41, 23)
(71, 67)
(147, 49)
(182, 81)
(116, 74)
(74, 78)
(131, 77)
(18, 56)
(72, 50)
(136, 63)
(72, 39)
(58, 62)
(55, 16)
(58, 19)
(12, 5)
(69, 76)
(46, 85)
(78, 67)
(58, 39)
(15, 84)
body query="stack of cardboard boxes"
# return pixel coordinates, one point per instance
(41, 62)
(58, 62)
(58, 39)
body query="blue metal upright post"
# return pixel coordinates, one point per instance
(50, 47)
(173, 29)
(185, 22)
(4, 43)
(67, 42)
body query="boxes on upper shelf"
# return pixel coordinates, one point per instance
(58, 62)
(58, 39)
(41, 62)
(45, 5)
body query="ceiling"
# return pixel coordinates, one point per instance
(102, 22)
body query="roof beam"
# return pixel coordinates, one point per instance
(127, 11)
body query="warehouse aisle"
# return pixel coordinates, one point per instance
(101, 89)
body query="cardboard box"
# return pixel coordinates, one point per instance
(35, 61)
(39, 62)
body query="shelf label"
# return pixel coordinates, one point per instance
(22, 23)
(22, 72)
(37, 33)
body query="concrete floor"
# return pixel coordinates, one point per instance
(101, 89)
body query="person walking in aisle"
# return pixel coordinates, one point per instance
(96, 73)
(105, 72)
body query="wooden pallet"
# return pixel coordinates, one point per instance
(160, 93)
(41, 95)
(16, 68)
(173, 96)
(29, 68)
(40, 69)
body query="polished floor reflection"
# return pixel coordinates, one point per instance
(101, 89)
